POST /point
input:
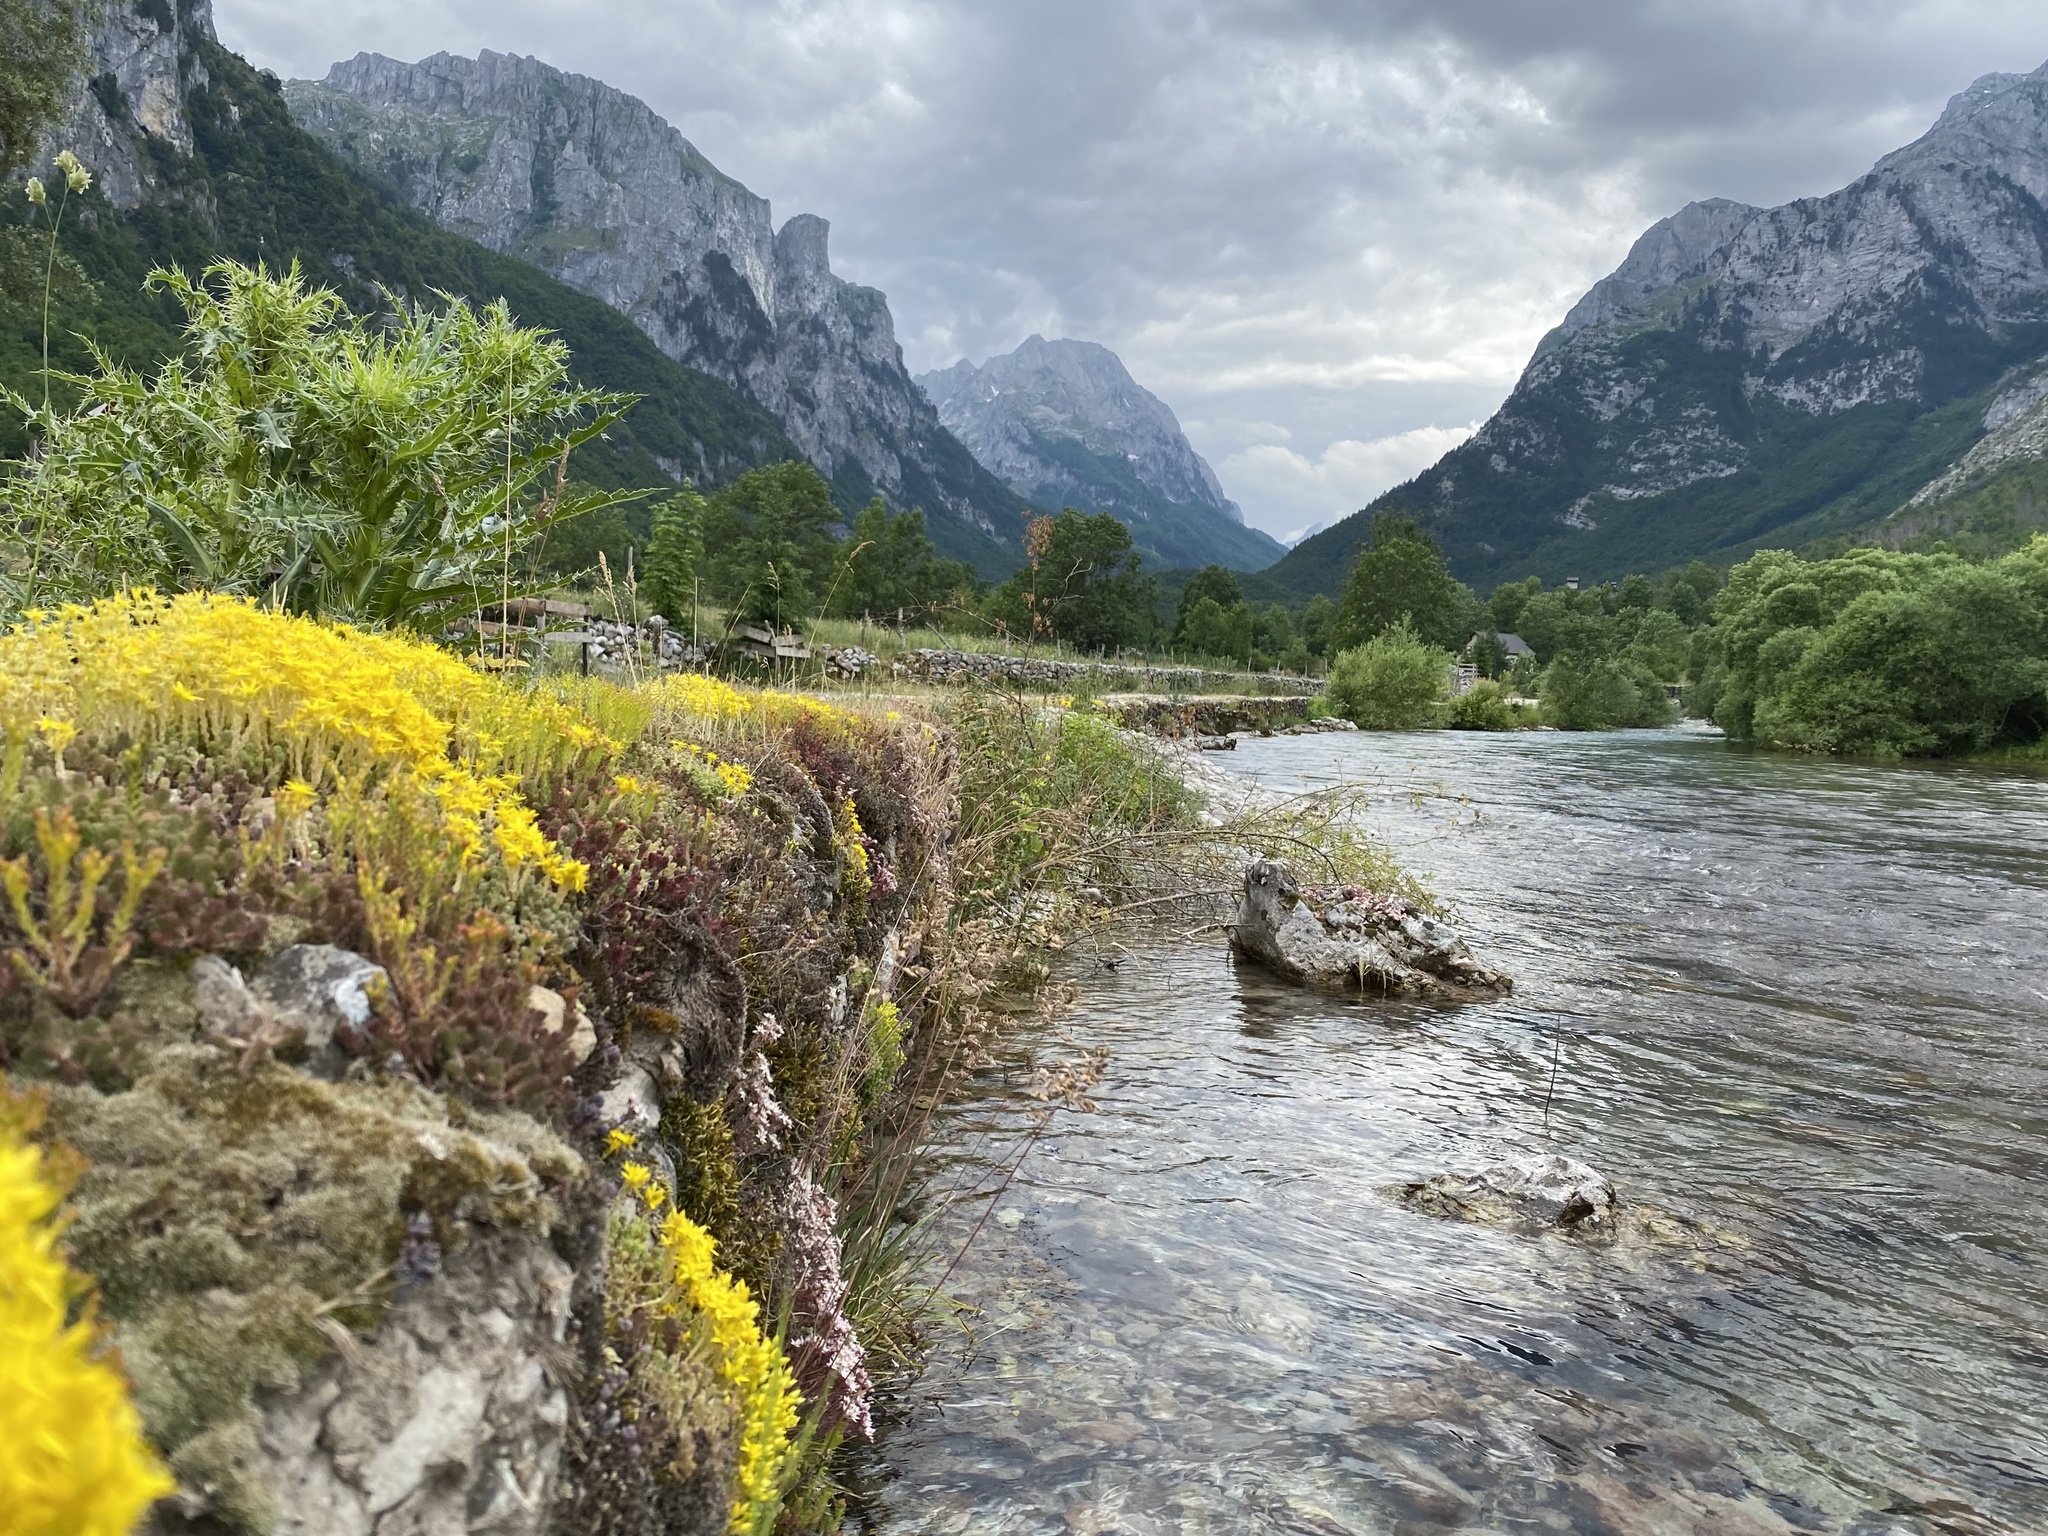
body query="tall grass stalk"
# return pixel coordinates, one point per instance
(76, 179)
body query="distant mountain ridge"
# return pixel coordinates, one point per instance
(589, 184)
(1753, 377)
(1063, 423)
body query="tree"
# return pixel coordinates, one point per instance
(1209, 629)
(1401, 577)
(297, 452)
(1505, 606)
(769, 549)
(1393, 682)
(1084, 584)
(1487, 653)
(1319, 625)
(1217, 585)
(1584, 692)
(1690, 593)
(1635, 592)
(888, 565)
(674, 553)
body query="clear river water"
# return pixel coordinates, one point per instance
(1795, 1008)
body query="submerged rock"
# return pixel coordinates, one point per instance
(1543, 1191)
(1353, 939)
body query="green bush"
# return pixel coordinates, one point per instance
(296, 451)
(1393, 682)
(1483, 707)
(1881, 653)
(1603, 694)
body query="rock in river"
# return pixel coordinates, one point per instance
(1350, 938)
(1545, 1191)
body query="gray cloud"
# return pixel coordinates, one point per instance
(1328, 232)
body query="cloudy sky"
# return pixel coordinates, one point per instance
(1327, 232)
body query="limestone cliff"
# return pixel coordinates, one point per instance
(1064, 424)
(592, 186)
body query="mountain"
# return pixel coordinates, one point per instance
(588, 184)
(1752, 377)
(1063, 424)
(195, 157)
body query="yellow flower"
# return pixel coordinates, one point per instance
(58, 733)
(748, 1362)
(626, 784)
(73, 1461)
(619, 1140)
(294, 799)
(518, 836)
(636, 1176)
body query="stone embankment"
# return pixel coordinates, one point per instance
(1349, 939)
(935, 666)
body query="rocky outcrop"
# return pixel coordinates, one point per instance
(450, 1417)
(1533, 1191)
(1063, 424)
(1681, 407)
(144, 61)
(591, 185)
(2015, 433)
(1354, 940)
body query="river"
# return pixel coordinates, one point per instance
(1794, 1007)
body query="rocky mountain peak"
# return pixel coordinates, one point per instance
(803, 267)
(1063, 423)
(1668, 251)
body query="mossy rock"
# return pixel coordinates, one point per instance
(237, 1223)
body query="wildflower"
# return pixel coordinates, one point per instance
(626, 784)
(736, 779)
(76, 176)
(36, 194)
(748, 1363)
(518, 836)
(294, 799)
(72, 1455)
(619, 1140)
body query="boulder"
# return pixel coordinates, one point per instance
(1353, 940)
(327, 993)
(1537, 1191)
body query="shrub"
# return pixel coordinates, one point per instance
(351, 468)
(1393, 682)
(1603, 694)
(1483, 707)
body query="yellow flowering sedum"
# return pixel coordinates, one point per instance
(72, 1458)
(749, 1363)
(340, 704)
